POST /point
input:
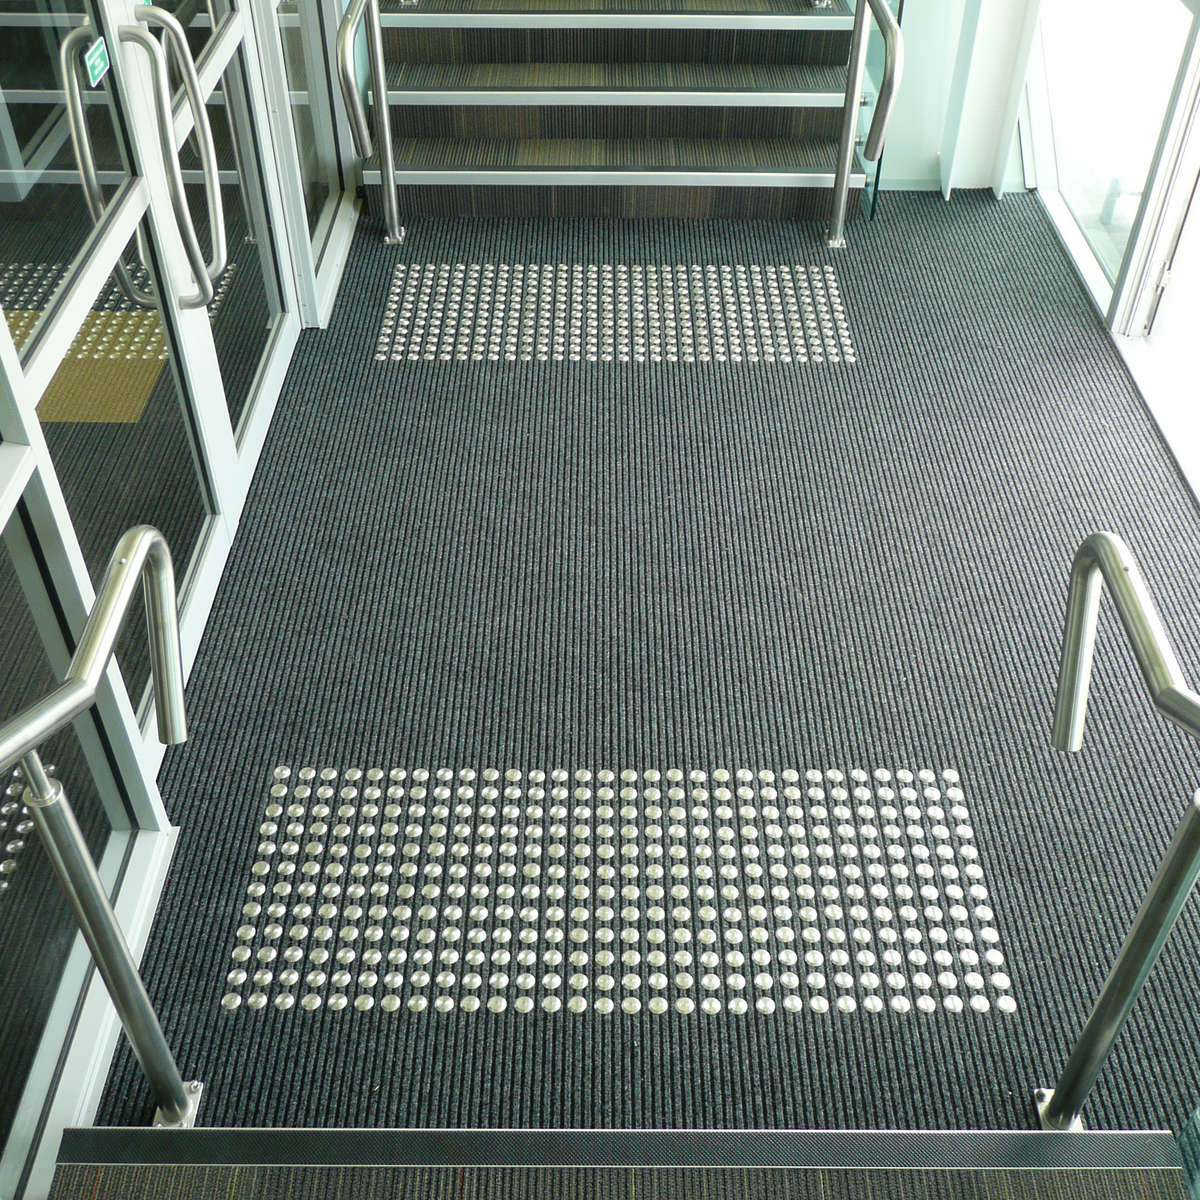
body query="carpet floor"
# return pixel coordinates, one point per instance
(838, 540)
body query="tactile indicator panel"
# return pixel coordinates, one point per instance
(696, 892)
(605, 312)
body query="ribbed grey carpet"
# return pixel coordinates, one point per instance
(698, 565)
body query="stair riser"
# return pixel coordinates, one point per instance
(601, 122)
(615, 45)
(702, 203)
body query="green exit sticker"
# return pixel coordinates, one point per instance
(96, 61)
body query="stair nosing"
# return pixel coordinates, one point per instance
(611, 176)
(816, 1149)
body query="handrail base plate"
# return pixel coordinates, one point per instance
(195, 1090)
(1042, 1098)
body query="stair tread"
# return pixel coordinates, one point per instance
(783, 155)
(283, 1182)
(619, 76)
(798, 8)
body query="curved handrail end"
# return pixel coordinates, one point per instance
(1104, 558)
(347, 30)
(141, 555)
(889, 84)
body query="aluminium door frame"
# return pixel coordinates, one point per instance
(1117, 303)
(317, 260)
(1165, 201)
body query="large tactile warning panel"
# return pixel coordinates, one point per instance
(604, 313)
(700, 891)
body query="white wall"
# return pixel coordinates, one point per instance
(992, 61)
(931, 29)
(955, 111)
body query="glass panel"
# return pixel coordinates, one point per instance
(1109, 81)
(122, 447)
(36, 928)
(43, 217)
(874, 74)
(194, 16)
(246, 303)
(318, 168)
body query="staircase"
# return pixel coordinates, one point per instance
(370, 1164)
(626, 108)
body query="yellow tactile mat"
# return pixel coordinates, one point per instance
(110, 370)
(116, 358)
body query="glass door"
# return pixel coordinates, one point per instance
(147, 316)
(46, 223)
(237, 209)
(252, 329)
(1103, 92)
(305, 71)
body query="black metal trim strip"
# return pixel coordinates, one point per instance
(825, 1149)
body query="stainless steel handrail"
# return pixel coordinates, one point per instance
(893, 72)
(1105, 559)
(132, 34)
(347, 76)
(85, 159)
(206, 272)
(360, 130)
(141, 556)
(201, 128)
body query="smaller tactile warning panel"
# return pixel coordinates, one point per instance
(614, 313)
(15, 828)
(29, 285)
(693, 892)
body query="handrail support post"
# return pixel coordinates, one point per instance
(893, 71)
(1061, 1107)
(141, 558)
(65, 846)
(360, 131)
(394, 234)
(835, 238)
